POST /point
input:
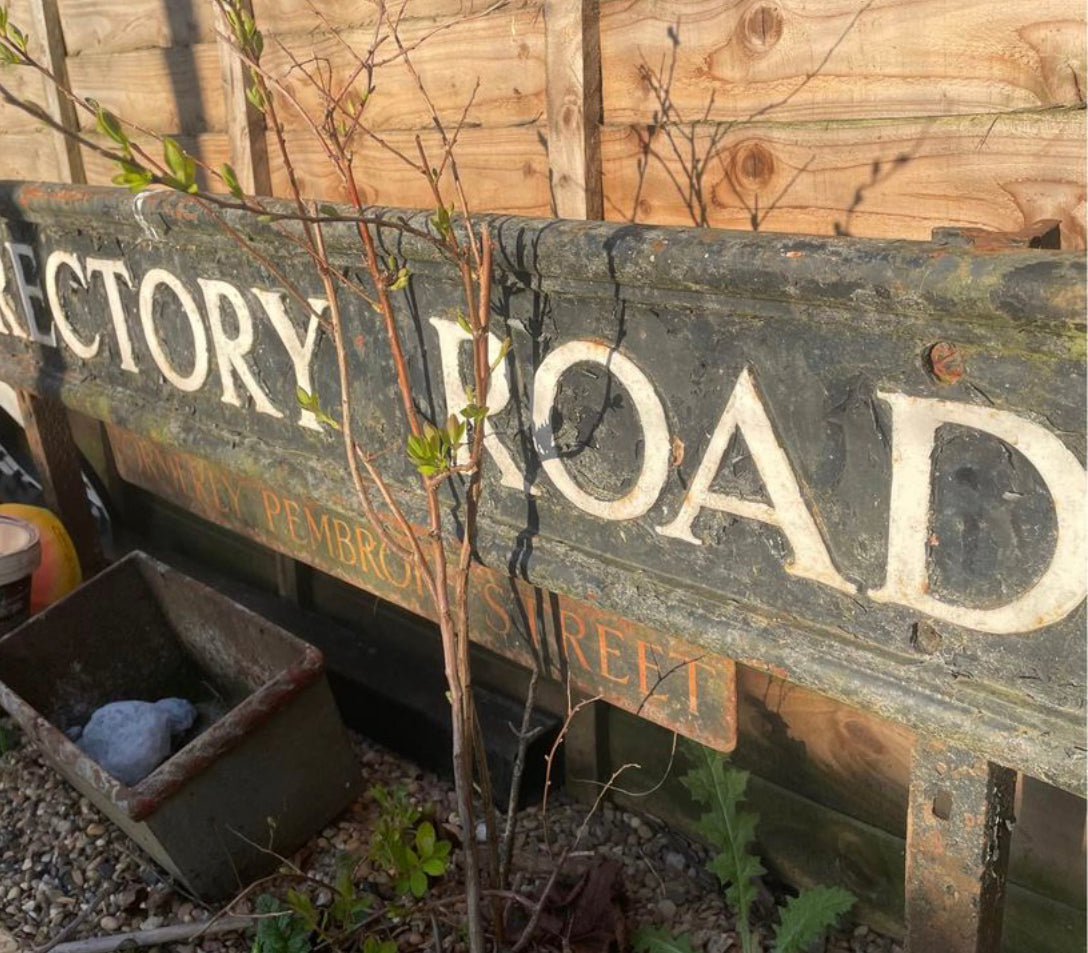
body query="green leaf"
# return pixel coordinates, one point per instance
(731, 830)
(417, 883)
(442, 849)
(230, 179)
(111, 126)
(255, 95)
(433, 866)
(7, 57)
(425, 839)
(328, 210)
(18, 37)
(660, 940)
(805, 918)
(504, 349)
(175, 157)
(307, 400)
(401, 280)
(265, 219)
(462, 322)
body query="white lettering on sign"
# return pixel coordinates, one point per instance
(10, 324)
(230, 352)
(300, 350)
(744, 415)
(450, 338)
(27, 290)
(655, 455)
(112, 269)
(60, 320)
(916, 421)
(194, 380)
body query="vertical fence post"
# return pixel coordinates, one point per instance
(245, 123)
(572, 53)
(45, 20)
(958, 832)
(45, 419)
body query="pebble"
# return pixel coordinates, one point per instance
(56, 852)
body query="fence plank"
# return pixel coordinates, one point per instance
(101, 26)
(504, 170)
(28, 153)
(177, 90)
(47, 30)
(245, 123)
(899, 178)
(574, 107)
(840, 59)
(25, 85)
(173, 91)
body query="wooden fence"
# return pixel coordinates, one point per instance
(864, 117)
(867, 117)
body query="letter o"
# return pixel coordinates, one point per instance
(151, 281)
(655, 462)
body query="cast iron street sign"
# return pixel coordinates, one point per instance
(855, 464)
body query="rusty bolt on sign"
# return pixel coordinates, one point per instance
(945, 362)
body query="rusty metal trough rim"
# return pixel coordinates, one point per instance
(845, 273)
(144, 799)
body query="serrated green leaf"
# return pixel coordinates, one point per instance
(805, 918)
(732, 831)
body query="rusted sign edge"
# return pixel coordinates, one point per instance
(1019, 287)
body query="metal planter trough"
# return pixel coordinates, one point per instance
(268, 762)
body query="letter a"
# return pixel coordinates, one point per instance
(787, 512)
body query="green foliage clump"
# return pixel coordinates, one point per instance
(732, 831)
(407, 849)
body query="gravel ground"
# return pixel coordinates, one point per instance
(58, 854)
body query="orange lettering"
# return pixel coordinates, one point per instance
(292, 519)
(234, 494)
(572, 640)
(500, 621)
(318, 531)
(366, 550)
(643, 680)
(602, 639)
(268, 498)
(343, 540)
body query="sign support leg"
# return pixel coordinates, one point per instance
(958, 831)
(57, 461)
